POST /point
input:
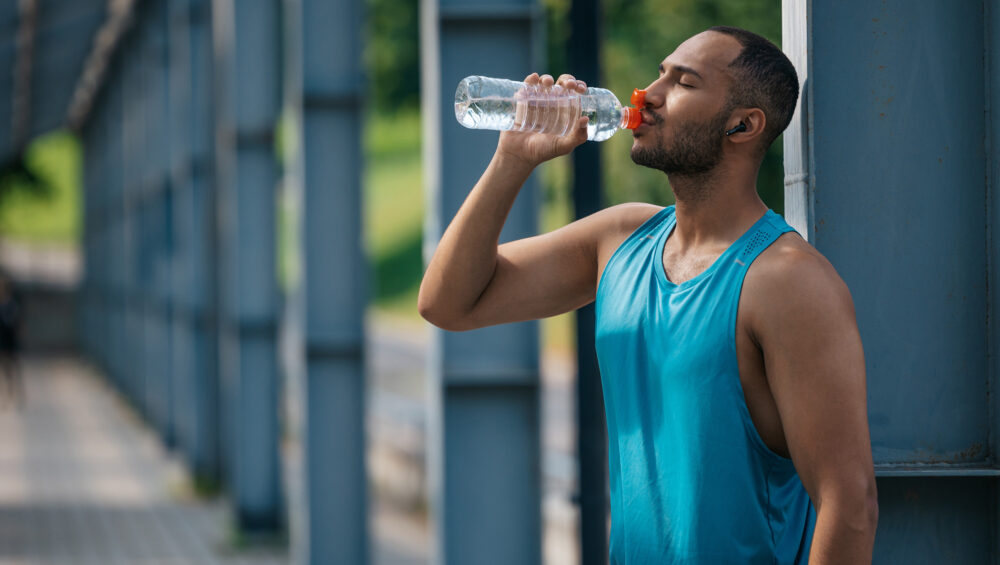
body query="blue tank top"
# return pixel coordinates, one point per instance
(691, 480)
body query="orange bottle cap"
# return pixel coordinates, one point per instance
(639, 98)
(631, 118)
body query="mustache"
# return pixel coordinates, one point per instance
(650, 118)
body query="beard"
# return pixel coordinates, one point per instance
(696, 148)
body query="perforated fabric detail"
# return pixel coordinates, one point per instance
(761, 237)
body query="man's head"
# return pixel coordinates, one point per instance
(710, 84)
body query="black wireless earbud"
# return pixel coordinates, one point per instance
(741, 127)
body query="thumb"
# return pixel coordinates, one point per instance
(578, 136)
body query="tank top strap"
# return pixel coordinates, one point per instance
(762, 235)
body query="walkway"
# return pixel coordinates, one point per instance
(84, 481)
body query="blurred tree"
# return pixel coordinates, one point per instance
(392, 54)
(17, 175)
(40, 191)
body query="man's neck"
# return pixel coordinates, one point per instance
(714, 209)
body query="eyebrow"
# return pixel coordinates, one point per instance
(682, 69)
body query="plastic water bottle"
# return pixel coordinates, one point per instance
(501, 104)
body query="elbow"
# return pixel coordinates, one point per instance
(855, 508)
(869, 504)
(431, 310)
(872, 506)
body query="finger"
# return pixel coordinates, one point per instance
(547, 80)
(567, 81)
(531, 79)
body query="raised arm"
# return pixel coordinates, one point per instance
(472, 282)
(805, 325)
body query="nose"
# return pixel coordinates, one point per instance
(653, 96)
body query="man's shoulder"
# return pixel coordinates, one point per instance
(791, 260)
(617, 222)
(626, 218)
(791, 279)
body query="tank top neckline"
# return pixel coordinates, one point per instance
(661, 242)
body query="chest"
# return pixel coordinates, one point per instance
(680, 267)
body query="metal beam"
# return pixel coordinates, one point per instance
(247, 62)
(904, 217)
(483, 425)
(21, 98)
(327, 91)
(584, 56)
(93, 74)
(195, 332)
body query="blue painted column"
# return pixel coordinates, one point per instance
(131, 232)
(148, 204)
(90, 142)
(194, 334)
(890, 173)
(119, 350)
(584, 57)
(327, 89)
(483, 426)
(158, 197)
(247, 57)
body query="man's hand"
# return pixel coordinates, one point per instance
(533, 148)
(472, 282)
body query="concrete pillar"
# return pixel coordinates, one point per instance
(889, 165)
(247, 54)
(484, 456)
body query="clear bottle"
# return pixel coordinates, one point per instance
(501, 104)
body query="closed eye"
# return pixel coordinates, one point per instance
(686, 85)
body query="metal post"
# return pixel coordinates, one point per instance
(158, 204)
(90, 172)
(334, 293)
(247, 55)
(901, 208)
(195, 339)
(121, 346)
(483, 424)
(584, 55)
(133, 366)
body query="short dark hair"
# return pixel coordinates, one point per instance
(765, 79)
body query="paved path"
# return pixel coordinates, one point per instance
(83, 481)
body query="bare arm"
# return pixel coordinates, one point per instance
(815, 367)
(472, 282)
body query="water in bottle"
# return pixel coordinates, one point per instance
(500, 104)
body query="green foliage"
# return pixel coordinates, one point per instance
(40, 195)
(392, 54)
(394, 209)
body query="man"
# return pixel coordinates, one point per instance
(734, 377)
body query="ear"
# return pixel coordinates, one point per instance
(753, 119)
